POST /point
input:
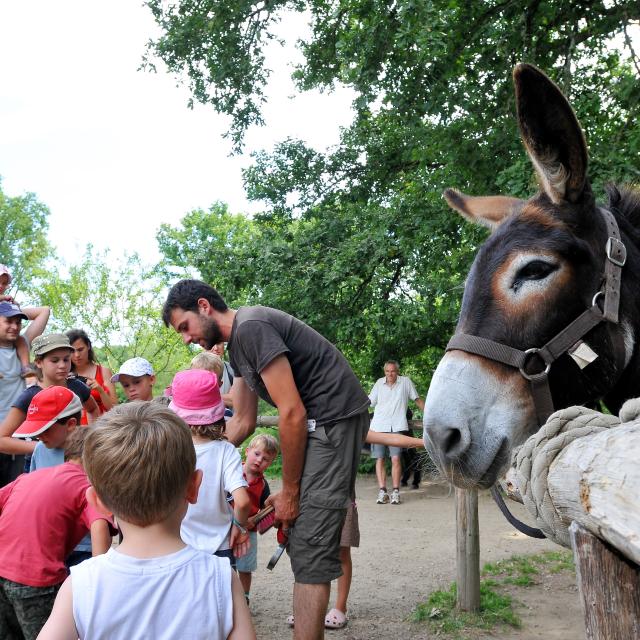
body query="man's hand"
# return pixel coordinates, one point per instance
(286, 505)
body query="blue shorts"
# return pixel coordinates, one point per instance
(380, 451)
(249, 563)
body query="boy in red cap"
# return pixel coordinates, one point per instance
(52, 416)
(43, 516)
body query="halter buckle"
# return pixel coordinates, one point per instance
(616, 251)
(533, 376)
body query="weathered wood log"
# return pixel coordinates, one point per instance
(609, 587)
(595, 481)
(467, 550)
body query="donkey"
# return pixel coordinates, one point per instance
(554, 261)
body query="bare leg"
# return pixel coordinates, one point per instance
(245, 581)
(396, 471)
(344, 581)
(381, 473)
(309, 609)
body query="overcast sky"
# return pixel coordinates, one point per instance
(114, 151)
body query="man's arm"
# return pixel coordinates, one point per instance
(420, 402)
(245, 412)
(39, 316)
(292, 425)
(61, 625)
(394, 440)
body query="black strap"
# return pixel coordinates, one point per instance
(487, 348)
(616, 254)
(532, 532)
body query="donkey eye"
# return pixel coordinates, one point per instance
(534, 270)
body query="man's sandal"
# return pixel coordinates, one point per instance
(335, 619)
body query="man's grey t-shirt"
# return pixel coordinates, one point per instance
(327, 386)
(11, 384)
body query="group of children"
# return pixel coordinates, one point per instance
(159, 472)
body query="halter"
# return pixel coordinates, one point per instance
(563, 341)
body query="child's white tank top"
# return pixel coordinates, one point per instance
(182, 595)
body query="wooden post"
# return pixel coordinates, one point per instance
(468, 550)
(609, 587)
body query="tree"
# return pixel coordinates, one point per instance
(24, 223)
(218, 244)
(356, 240)
(118, 304)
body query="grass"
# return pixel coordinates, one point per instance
(496, 607)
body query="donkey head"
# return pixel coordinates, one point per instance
(539, 270)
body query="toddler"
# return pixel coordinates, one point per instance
(259, 455)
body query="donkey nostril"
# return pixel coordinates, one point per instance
(451, 440)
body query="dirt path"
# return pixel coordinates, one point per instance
(406, 552)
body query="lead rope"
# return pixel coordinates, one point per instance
(532, 532)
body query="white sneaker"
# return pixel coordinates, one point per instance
(395, 497)
(383, 497)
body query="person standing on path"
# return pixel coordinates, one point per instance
(322, 423)
(389, 397)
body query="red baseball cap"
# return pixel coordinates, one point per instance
(47, 407)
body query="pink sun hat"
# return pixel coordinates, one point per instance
(195, 397)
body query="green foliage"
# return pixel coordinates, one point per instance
(24, 224)
(356, 240)
(118, 305)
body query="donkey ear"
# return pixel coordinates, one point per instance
(487, 210)
(551, 133)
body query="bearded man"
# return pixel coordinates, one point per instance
(323, 422)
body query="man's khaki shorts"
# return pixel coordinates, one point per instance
(327, 484)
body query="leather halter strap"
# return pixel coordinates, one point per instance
(616, 255)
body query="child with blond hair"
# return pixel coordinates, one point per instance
(211, 525)
(142, 466)
(209, 362)
(259, 455)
